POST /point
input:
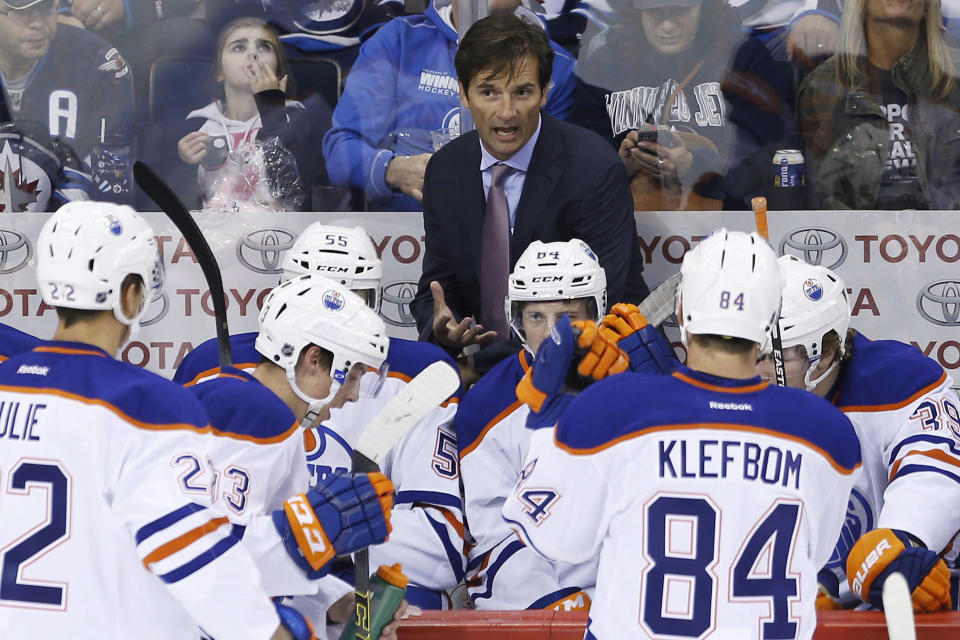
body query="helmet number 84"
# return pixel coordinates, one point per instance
(725, 300)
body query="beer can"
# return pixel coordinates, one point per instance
(789, 168)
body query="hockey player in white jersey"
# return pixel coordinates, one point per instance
(711, 497)
(428, 533)
(548, 281)
(906, 503)
(316, 341)
(93, 504)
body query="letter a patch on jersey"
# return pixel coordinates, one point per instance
(537, 503)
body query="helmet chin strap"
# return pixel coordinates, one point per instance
(811, 384)
(132, 323)
(314, 405)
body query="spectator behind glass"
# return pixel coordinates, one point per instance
(402, 86)
(143, 30)
(255, 148)
(69, 80)
(333, 30)
(683, 64)
(804, 31)
(880, 119)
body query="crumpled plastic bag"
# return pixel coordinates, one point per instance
(257, 175)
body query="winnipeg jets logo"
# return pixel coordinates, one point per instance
(114, 63)
(22, 182)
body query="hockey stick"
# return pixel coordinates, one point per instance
(760, 216)
(419, 397)
(170, 204)
(898, 608)
(661, 302)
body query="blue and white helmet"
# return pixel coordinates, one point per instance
(311, 309)
(730, 286)
(87, 248)
(815, 302)
(550, 271)
(346, 255)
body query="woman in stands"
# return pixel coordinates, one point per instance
(686, 66)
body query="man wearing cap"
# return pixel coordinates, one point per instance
(68, 79)
(683, 65)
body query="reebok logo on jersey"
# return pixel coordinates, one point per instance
(731, 406)
(33, 369)
(867, 564)
(439, 83)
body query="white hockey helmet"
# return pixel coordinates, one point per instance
(814, 303)
(87, 248)
(343, 254)
(730, 286)
(311, 309)
(552, 271)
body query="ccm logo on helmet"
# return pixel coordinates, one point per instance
(333, 269)
(546, 279)
(868, 562)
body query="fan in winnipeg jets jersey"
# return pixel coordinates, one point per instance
(548, 281)
(427, 537)
(37, 172)
(906, 504)
(99, 538)
(67, 78)
(711, 497)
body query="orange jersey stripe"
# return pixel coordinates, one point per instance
(500, 416)
(705, 425)
(103, 403)
(216, 370)
(712, 387)
(170, 548)
(69, 351)
(248, 438)
(896, 405)
(936, 454)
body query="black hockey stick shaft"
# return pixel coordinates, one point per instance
(363, 607)
(170, 204)
(760, 216)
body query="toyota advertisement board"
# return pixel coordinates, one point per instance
(901, 269)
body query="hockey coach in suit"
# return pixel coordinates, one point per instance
(520, 176)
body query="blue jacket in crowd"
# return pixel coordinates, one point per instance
(402, 86)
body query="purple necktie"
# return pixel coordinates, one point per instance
(495, 255)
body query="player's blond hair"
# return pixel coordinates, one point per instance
(852, 47)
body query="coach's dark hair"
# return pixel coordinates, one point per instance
(500, 41)
(70, 316)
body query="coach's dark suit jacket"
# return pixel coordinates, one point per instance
(576, 187)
